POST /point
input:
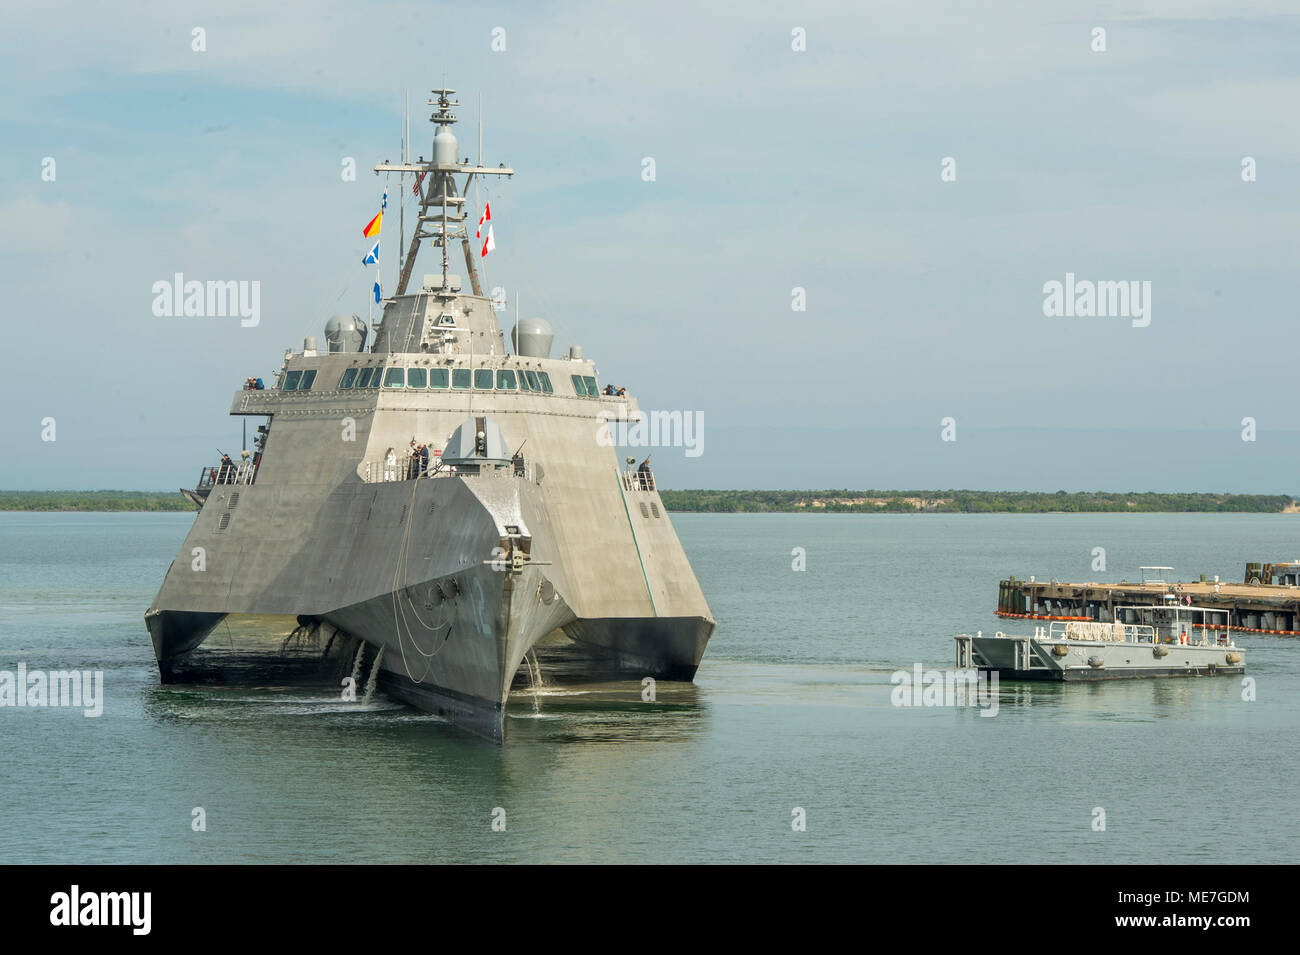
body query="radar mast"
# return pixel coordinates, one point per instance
(442, 205)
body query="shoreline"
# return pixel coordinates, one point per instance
(774, 502)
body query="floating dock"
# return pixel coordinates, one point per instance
(1257, 606)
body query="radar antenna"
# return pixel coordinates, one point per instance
(442, 204)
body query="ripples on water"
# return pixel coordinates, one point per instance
(791, 708)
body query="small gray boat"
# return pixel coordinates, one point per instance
(1173, 639)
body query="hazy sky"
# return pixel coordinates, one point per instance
(775, 169)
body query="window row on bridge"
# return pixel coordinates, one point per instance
(299, 380)
(585, 386)
(457, 379)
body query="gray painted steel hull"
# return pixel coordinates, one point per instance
(320, 525)
(408, 565)
(1094, 676)
(1028, 658)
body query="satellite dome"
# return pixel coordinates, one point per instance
(532, 338)
(345, 333)
(446, 150)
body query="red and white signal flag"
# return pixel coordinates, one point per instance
(489, 243)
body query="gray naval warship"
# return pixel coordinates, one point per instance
(444, 565)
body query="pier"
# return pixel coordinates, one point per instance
(1267, 601)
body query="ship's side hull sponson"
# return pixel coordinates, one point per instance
(666, 648)
(177, 632)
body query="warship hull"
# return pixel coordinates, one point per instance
(456, 577)
(450, 569)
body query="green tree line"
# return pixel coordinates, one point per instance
(735, 502)
(971, 502)
(93, 501)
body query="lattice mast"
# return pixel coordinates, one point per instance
(442, 217)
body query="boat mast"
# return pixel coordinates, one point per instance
(442, 217)
(401, 181)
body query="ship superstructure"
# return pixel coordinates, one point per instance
(443, 501)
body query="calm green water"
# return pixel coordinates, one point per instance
(791, 708)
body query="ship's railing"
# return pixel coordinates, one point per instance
(242, 472)
(399, 467)
(634, 480)
(1221, 637)
(1180, 621)
(1103, 632)
(407, 467)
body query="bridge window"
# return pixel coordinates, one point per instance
(363, 377)
(438, 377)
(591, 386)
(505, 379)
(460, 377)
(308, 377)
(578, 387)
(546, 382)
(417, 377)
(394, 378)
(291, 380)
(349, 378)
(483, 379)
(523, 381)
(533, 383)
